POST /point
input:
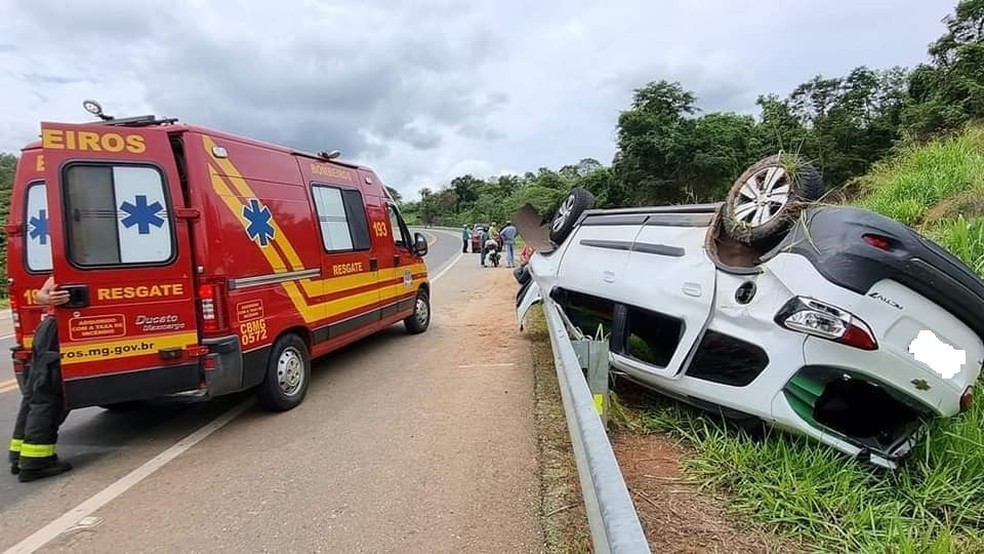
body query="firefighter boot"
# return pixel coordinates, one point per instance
(40, 468)
(14, 463)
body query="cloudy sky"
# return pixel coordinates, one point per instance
(424, 90)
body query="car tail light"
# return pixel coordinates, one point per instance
(810, 316)
(209, 296)
(878, 242)
(967, 398)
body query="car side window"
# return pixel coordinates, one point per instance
(587, 312)
(652, 337)
(341, 219)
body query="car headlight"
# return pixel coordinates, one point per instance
(809, 315)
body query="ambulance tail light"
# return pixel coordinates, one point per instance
(210, 299)
(15, 318)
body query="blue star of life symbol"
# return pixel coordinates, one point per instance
(39, 226)
(141, 214)
(259, 217)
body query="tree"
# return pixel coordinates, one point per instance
(8, 166)
(949, 91)
(651, 141)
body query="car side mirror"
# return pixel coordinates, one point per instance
(419, 244)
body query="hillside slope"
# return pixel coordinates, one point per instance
(938, 189)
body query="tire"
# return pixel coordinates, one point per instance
(420, 320)
(288, 375)
(577, 201)
(754, 212)
(522, 275)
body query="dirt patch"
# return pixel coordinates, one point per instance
(969, 204)
(675, 516)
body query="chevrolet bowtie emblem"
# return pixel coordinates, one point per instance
(921, 384)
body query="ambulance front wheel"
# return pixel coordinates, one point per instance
(288, 374)
(420, 319)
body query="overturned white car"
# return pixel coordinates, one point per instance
(830, 321)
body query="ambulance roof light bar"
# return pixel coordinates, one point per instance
(95, 109)
(330, 155)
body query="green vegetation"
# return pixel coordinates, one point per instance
(937, 188)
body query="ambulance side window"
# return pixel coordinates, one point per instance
(341, 218)
(36, 236)
(401, 235)
(117, 215)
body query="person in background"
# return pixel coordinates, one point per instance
(483, 235)
(508, 234)
(42, 409)
(465, 236)
(494, 231)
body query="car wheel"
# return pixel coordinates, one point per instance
(288, 374)
(766, 198)
(419, 321)
(522, 275)
(578, 200)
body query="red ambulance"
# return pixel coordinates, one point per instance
(201, 263)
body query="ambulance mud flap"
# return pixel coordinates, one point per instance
(223, 366)
(529, 294)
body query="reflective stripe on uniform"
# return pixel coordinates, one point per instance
(37, 450)
(15, 445)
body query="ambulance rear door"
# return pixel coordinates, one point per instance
(120, 244)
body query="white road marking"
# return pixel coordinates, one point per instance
(448, 267)
(5, 337)
(73, 517)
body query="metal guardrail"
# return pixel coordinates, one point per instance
(612, 517)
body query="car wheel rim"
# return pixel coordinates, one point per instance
(762, 196)
(290, 371)
(421, 312)
(563, 213)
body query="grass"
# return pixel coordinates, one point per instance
(798, 487)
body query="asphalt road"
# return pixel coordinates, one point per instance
(106, 446)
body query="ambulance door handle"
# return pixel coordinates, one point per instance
(373, 264)
(396, 261)
(78, 296)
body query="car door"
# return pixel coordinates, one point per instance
(118, 245)
(667, 292)
(402, 258)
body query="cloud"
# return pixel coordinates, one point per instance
(421, 90)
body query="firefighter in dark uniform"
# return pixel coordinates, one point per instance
(42, 409)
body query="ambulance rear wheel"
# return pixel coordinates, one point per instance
(420, 320)
(288, 375)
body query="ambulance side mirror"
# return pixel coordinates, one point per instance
(419, 244)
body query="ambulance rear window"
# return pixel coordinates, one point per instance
(37, 237)
(117, 215)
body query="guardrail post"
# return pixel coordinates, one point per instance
(593, 355)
